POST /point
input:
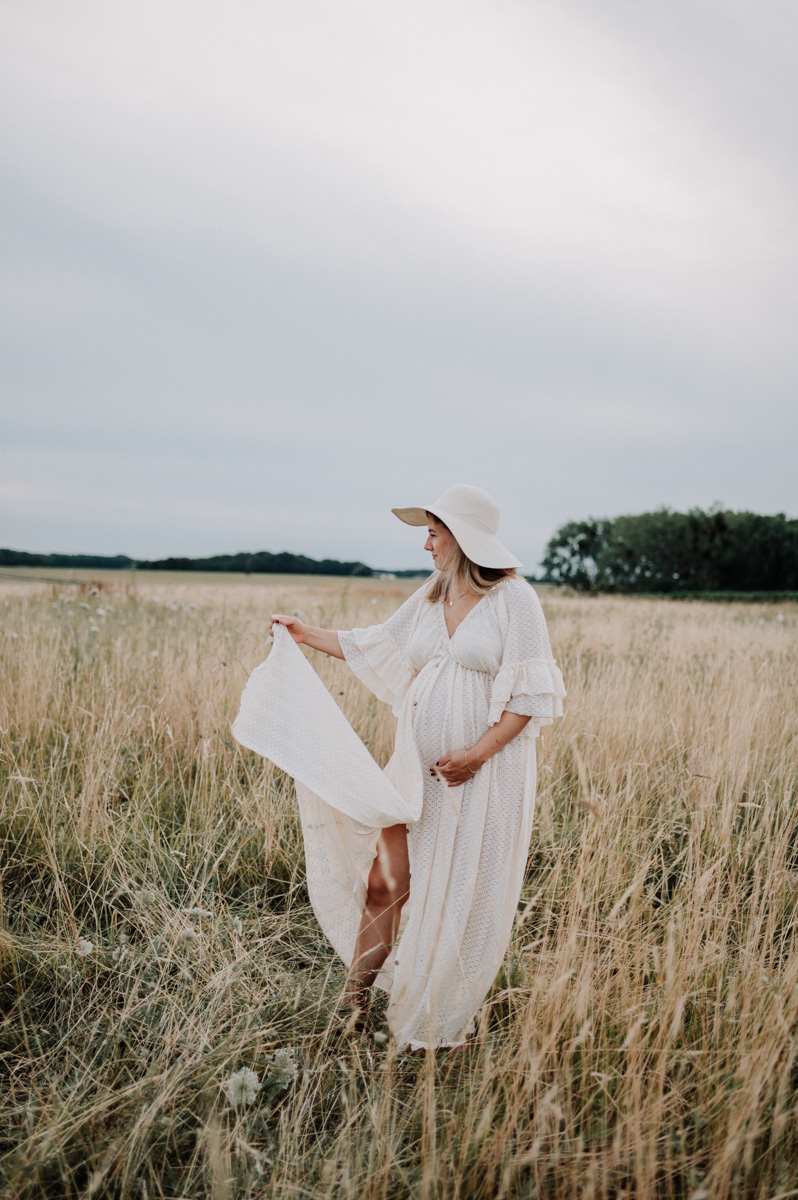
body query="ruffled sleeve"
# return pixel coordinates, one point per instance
(529, 681)
(378, 654)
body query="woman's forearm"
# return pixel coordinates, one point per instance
(323, 639)
(506, 728)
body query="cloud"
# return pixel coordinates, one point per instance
(283, 267)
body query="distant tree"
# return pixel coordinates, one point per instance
(169, 564)
(21, 558)
(572, 554)
(262, 562)
(665, 551)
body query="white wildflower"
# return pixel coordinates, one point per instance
(145, 898)
(380, 1038)
(196, 912)
(178, 854)
(84, 605)
(189, 934)
(94, 629)
(15, 637)
(100, 612)
(154, 653)
(282, 1069)
(155, 599)
(761, 621)
(190, 607)
(85, 947)
(238, 927)
(780, 617)
(93, 592)
(120, 954)
(242, 1088)
(374, 600)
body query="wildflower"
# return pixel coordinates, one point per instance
(189, 934)
(761, 621)
(120, 954)
(380, 1038)
(780, 617)
(190, 607)
(242, 1088)
(85, 948)
(94, 629)
(15, 637)
(196, 912)
(154, 653)
(93, 592)
(100, 612)
(282, 1070)
(144, 898)
(238, 927)
(84, 605)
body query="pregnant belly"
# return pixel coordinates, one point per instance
(450, 709)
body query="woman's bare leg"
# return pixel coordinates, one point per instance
(388, 889)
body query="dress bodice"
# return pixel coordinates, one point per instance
(476, 643)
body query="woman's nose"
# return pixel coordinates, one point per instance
(428, 544)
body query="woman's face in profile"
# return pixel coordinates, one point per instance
(439, 542)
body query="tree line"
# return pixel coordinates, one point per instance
(262, 562)
(674, 552)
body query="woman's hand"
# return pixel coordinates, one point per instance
(453, 769)
(298, 631)
(325, 640)
(456, 768)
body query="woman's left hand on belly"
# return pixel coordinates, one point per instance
(455, 768)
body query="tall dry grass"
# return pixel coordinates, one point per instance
(639, 1041)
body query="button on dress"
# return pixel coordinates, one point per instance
(467, 845)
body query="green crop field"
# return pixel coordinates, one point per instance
(156, 938)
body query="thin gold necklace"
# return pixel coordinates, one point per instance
(460, 597)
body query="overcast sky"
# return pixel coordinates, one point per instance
(270, 268)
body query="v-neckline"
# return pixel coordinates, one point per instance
(450, 636)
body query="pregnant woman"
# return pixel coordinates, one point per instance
(466, 664)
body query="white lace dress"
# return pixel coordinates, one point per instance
(469, 846)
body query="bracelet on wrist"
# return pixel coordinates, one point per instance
(468, 764)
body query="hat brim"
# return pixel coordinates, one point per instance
(482, 548)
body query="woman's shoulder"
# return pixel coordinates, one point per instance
(518, 594)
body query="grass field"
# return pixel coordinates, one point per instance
(156, 937)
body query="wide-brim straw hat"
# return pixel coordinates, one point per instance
(473, 517)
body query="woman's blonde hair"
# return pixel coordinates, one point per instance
(459, 574)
